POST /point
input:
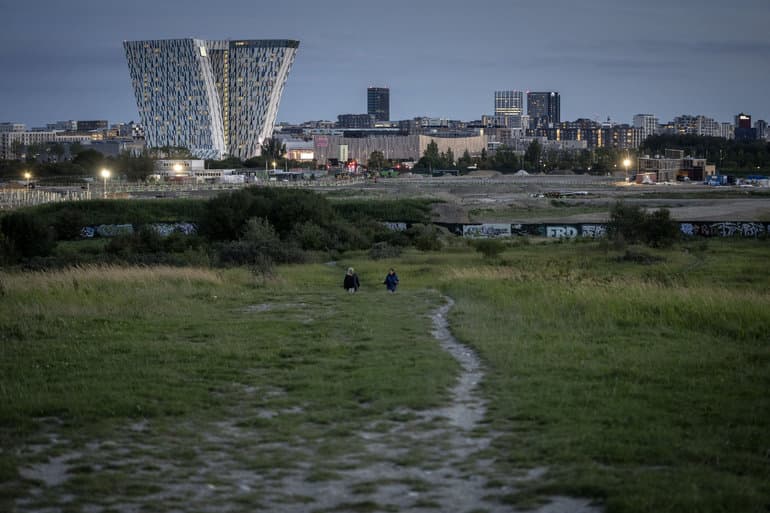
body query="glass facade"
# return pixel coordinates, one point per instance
(544, 109)
(378, 103)
(214, 97)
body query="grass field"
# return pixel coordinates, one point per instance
(642, 386)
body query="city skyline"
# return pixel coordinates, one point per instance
(607, 59)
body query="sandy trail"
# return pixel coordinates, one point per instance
(427, 462)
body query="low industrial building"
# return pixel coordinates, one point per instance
(673, 166)
(394, 147)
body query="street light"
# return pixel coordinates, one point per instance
(105, 175)
(27, 175)
(274, 166)
(626, 163)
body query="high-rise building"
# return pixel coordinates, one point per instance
(544, 109)
(509, 105)
(91, 125)
(760, 127)
(647, 123)
(378, 103)
(743, 130)
(214, 97)
(355, 121)
(694, 125)
(727, 130)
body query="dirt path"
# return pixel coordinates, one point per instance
(426, 461)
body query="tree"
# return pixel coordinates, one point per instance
(75, 148)
(484, 160)
(630, 224)
(376, 161)
(226, 163)
(430, 157)
(90, 160)
(57, 150)
(32, 151)
(135, 168)
(17, 149)
(273, 148)
(170, 152)
(532, 155)
(448, 160)
(465, 161)
(584, 160)
(506, 160)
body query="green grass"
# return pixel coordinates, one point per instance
(645, 386)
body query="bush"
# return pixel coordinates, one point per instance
(25, 236)
(68, 224)
(425, 237)
(259, 246)
(660, 230)
(490, 248)
(404, 210)
(631, 224)
(382, 250)
(310, 236)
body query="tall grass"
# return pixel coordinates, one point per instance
(642, 385)
(645, 387)
(104, 342)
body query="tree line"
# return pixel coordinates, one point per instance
(56, 160)
(535, 159)
(730, 156)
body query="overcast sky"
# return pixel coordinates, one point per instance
(441, 58)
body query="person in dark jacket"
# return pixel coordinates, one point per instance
(351, 283)
(391, 280)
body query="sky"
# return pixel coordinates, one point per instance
(440, 58)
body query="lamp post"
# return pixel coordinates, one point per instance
(626, 163)
(274, 166)
(105, 175)
(27, 175)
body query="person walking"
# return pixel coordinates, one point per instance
(391, 280)
(351, 283)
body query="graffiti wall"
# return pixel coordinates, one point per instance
(113, 230)
(396, 227)
(489, 230)
(725, 229)
(599, 230)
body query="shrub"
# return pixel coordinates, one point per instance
(310, 236)
(258, 245)
(425, 237)
(625, 222)
(490, 248)
(660, 230)
(630, 224)
(225, 215)
(382, 250)
(25, 236)
(68, 223)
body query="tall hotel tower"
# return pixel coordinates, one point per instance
(510, 106)
(212, 97)
(544, 109)
(378, 103)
